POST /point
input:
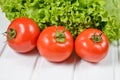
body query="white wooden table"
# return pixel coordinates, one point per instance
(32, 66)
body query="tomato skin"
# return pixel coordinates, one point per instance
(51, 49)
(27, 32)
(89, 50)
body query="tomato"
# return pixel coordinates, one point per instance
(55, 43)
(22, 34)
(92, 45)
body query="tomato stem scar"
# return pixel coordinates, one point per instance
(60, 36)
(96, 38)
(11, 33)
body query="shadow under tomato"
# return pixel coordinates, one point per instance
(73, 59)
(30, 53)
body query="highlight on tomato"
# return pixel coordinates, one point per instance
(22, 34)
(92, 45)
(55, 43)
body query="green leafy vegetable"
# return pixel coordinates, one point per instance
(75, 15)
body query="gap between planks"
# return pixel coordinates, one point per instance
(2, 50)
(75, 59)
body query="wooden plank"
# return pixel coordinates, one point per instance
(4, 22)
(46, 70)
(16, 66)
(117, 63)
(100, 71)
(119, 52)
(2, 44)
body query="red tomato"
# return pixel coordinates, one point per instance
(53, 47)
(91, 45)
(22, 34)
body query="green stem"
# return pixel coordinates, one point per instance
(60, 36)
(11, 33)
(96, 38)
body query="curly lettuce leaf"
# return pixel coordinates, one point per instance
(75, 15)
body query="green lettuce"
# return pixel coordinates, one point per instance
(75, 15)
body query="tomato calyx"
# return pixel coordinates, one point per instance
(60, 36)
(96, 38)
(11, 33)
